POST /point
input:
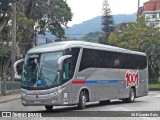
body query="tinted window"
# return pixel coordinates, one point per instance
(107, 59)
(88, 59)
(75, 53)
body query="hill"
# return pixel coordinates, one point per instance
(93, 25)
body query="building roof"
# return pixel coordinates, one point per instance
(152, 5)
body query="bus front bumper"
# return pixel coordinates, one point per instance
(41, 100)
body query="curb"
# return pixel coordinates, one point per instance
(154, 89)
(8, 98)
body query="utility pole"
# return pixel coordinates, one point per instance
(35, 37)
(4, 7)
(138, 10)
(13, 49)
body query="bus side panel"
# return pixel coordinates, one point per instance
(105, 84)
(142, 89)
(122, 90)
(140, 84)
(102, 82)
(80, 82)
(68, 93)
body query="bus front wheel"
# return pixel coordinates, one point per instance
(82, 100)
(49, 108)
(131, 98)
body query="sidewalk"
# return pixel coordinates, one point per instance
(9, 97)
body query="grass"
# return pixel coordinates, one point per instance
(154, 86)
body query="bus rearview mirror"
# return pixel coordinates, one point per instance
(60, 61)
(16, 76)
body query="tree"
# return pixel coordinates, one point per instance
(4, 65)
(107, 22)
(50, 15)
(5, 13)
(112, 40)
(5, 37)
(4, 4)
(140, 37)
(91, 37)
(25, 33)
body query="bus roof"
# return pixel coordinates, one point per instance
(58, 46)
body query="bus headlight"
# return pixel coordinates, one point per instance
(57, 92)
(54, 93)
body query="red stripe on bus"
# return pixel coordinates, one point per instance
(79, 82)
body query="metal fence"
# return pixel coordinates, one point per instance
(154, 81)
(11, 86)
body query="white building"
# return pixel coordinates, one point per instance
(151, 11)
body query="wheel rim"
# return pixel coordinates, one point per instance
(132, 96)
(83, 100)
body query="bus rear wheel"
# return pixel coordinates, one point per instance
(49, 108)
(131, 98)
(82, 100)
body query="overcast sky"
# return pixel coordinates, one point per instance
(87, 9)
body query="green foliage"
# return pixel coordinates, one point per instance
(25, 33)
(112, 40)
(24, 22)
(94, 24)
(91, 37)
(50, 15)
(139, 37)
(4, 51)
(107, 22)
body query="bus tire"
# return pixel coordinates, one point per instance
(104, 102)
(82, 100)
(49, 108)
(131, 98)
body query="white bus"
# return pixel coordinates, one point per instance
(76, 72)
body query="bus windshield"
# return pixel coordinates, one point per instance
(40, 70)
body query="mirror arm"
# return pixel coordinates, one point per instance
(58, 74)
(15, 66)
(61, 60)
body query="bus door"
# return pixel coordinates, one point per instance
(67, 75)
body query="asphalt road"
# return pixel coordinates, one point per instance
(149, 103)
